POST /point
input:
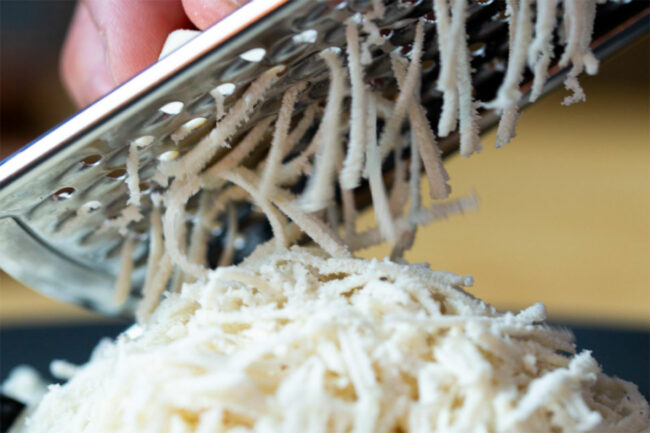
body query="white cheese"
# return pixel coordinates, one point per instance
(299, 341)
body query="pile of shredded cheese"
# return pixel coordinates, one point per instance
(299, 341)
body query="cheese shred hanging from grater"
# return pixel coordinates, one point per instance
(338, 149)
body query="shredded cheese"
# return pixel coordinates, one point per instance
(351, 173)
(371, 118)
(449, 113)
(299, 341)
(278, 145)
(540, 51)
(320, 191)
(123, 282)
(312, 339)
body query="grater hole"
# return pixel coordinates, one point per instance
(90, 207)
(430, 17)
(91, 160)
(239, 242)
(281, 70)
(172, 108)
(386, 34)
(427, 65)
(501, 16)
(187, 129)
(308, 36)
(166, 112)
(144, 141)
(406, 49)
(477, 49)
(145, 187)
(117, 174)
(216, 229)
(254, 55)
(226, 89)
(64, 193)
(170, 155)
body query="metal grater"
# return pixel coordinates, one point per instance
(83, 159)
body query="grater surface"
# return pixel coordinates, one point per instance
(82, 161)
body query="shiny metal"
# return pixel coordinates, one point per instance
(83, 160)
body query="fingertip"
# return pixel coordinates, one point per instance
(204, 13)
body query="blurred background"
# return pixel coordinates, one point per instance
(564, 213)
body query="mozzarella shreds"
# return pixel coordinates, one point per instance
(196, 159)
(300, 341)
(123, 281)
(133, 178)
(391, 130)
(449, 113)
(277, 221)
(229, 249)
(425, 138)
(540, 51)
(509, 94)
(578, 22)
(377, 189)
(311, 340)
(351, 173)
(341, 125)
(150, 292)
(297, 152)
(320, 191)
(278, 145)
(198, 244)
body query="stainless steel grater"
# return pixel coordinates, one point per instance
(81, 162)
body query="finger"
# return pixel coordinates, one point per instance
(111, 40)
(83, 61)
(135, 31)
(204, 13)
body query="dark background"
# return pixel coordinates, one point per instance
(32, 98)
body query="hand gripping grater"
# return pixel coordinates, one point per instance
(81, 162)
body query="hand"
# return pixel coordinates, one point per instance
(109, 41)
